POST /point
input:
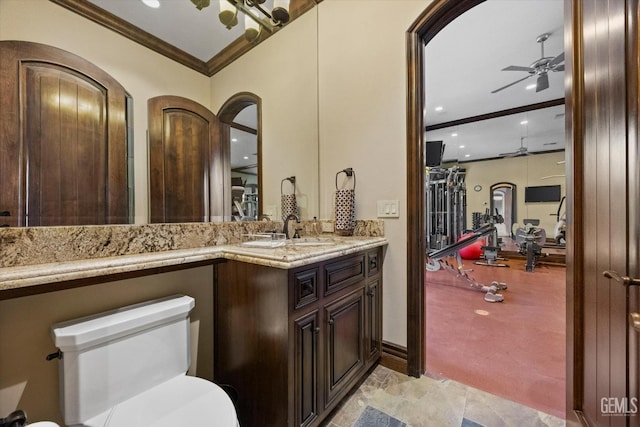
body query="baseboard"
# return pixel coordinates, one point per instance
(394, 357)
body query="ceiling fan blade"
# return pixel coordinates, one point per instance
(543, 82)
(511, 84)
(559, 68)
(511, 155)
(519, 68)
(558, 59)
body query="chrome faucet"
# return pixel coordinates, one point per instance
(285, 229)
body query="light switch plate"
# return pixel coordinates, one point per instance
(388, 209)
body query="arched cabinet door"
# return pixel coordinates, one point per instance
(63, 139)
(187, 163)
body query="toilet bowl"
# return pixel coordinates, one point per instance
(127, 367)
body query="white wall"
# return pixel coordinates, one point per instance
(143, 73)
(282, 71)
(523, 171)
(363, 92)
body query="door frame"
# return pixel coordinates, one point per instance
(435, 17)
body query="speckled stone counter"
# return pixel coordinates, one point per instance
(46, 255)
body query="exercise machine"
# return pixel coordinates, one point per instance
(446, 206)
(560, 230)
(530, 242)
(491, 251)
(435, 261)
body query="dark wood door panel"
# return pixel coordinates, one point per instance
(344, 343)
(306, 333)
(66, 147)
(186, 162)
(62, 138)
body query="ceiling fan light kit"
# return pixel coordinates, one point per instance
(540, 67)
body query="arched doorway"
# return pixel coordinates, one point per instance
(241, 134)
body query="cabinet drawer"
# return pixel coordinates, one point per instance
(340, 274)
(305, 287)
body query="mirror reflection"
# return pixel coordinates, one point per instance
(525, 149)
(244, 165)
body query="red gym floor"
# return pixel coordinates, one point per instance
(514, 349)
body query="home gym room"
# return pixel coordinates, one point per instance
(494, 201)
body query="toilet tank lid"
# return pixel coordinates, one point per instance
(79, 334)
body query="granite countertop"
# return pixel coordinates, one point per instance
(290, 255)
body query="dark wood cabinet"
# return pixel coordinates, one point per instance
(293, 343)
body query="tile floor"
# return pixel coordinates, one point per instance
(390, 399)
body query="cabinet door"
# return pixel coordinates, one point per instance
(345, 342)
(306, 330)
(373, 332)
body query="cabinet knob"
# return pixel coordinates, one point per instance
(371, 293)
(330, 321)
(317, 330)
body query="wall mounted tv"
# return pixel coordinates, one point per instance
(543, 193)
(433, 153)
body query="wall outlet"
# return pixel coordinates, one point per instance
(327, 227)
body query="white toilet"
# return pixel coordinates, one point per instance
(127, 367)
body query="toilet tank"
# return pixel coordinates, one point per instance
(110, 357)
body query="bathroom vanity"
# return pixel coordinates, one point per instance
(293, 329)
(294, 342)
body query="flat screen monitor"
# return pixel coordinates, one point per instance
(543, 193)
(433, 153)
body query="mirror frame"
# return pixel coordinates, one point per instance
(226, 115)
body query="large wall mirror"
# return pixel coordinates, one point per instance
(287, 148)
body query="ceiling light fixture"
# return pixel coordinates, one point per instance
(524, 122)
(462, 146)
(256, 16)
(531, 86)
(467, 155)
(152, 3)
(439, 108)
(454, 134)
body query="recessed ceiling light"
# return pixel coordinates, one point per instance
(152, 3)
(467, 155)
(454, 134)
(234, 139)
(531, 86)
(246, 158)
(462, 146)
(524, 122)
(439, 108)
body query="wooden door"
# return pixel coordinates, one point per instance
(603, 234)
(186, 162)
(62, 139)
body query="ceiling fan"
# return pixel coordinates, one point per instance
(540, 67)
(522, 151)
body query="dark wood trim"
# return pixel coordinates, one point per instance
(574, 125)
(633, 156)
(531, 153)
(394, 357)
(88, 281)
(124, 28)
(496, 114)
(237, 48)
(243, 128)
(435, 17)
